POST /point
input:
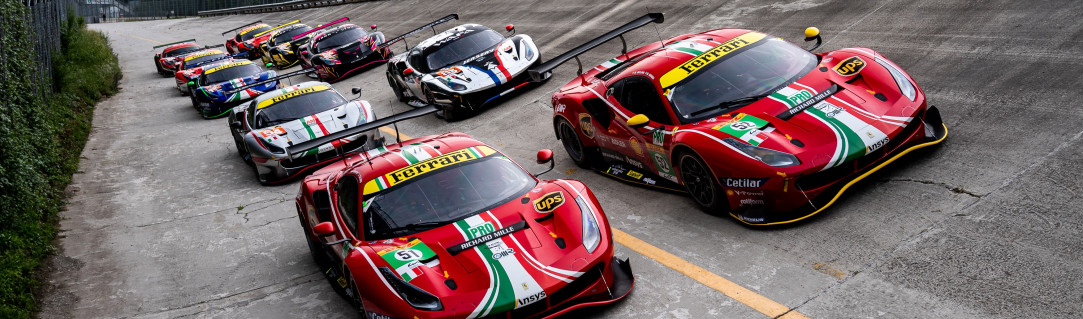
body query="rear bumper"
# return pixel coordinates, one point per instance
(815, 192)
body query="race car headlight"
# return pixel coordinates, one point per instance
(275, 148)
(456, 86)
(413, 295)
(767, 156)
(905, 87)
(592, 236)
(528, 53)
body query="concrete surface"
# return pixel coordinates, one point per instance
(166, 221)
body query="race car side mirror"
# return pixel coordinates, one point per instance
(813, 33)
(510, 28)
(356, 91)
(408, 71)
(323, 229)
(545, 156)
(191, 83)
(373, 27)
(638, 121)
(270, 64)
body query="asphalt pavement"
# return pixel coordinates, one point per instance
(166, 221)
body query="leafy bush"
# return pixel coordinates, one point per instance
(40, 143)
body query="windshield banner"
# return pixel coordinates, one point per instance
(433, 164)
(691, 66)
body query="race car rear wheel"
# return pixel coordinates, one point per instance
(701, 184)
(395, 87)
(581, 155)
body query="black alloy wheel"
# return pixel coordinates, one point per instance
(570, 138)
(701, 184)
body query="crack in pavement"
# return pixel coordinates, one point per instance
(287, 284)
(920, 235)
(274, 201)
(953, 189)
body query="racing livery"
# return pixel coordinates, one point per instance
(245, 41)
(448, 227)
(277, 51)
(746, 123)
(263, 128)
(165, 61)
(192, 65)
(337, 52)
(218, 89)
(463, 69)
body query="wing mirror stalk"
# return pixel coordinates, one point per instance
(813, 33)
(546, 156)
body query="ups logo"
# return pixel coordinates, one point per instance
(549, 202)
(850, 66)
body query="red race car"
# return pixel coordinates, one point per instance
(166, 61)
(245, 39)
(448, 227)
(747, 123)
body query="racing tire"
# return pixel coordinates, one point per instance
(195, 102)
(583, 156)
(158, 66)
(701, 184)
(243, 152)
(395, 87)
(351, 292)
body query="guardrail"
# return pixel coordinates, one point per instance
(277, 7)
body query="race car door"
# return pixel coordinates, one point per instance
(646, 145)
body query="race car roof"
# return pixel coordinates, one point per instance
(254, 27)
(443, 38)
(179, 45)
(200, 54)
(226, 66)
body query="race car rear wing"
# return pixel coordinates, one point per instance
(321, 27)
(276, 78)
(276, 28)
(433, 24)
(172, 43)
(538, 73)
(241, 27)
(315, 143)
(213, 46)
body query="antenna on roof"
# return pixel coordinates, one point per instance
(659, 34)
(395, 124)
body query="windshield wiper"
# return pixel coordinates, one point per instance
(731, 103)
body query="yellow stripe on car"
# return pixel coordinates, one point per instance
(690, 67)
(276, 28)
(222, 67)
(200, 55)
(291, 94)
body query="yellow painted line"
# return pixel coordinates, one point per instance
(141, 38)
(743, 295)
(392, 132)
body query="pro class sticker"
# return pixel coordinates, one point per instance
(549, 202)
(850, 66)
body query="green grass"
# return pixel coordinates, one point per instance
(40, 144)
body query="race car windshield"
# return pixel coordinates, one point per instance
(462, 48)
(339, 39)
(443, 196)
(182, 51)
(298, 107)
(739, 79)
(193, 62)
(253, 33)
(223, 75)
(288, 35)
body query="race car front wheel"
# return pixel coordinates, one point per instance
(581, 155)
(701, 184)
(395, 87)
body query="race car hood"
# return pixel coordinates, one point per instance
(487, 69)
(506, 257)
(863, 114)
(309, 127)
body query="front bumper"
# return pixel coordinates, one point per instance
(478, 100)
(339, 71)
(278, 170)
(789, 199)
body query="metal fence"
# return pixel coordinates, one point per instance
(45, 18)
